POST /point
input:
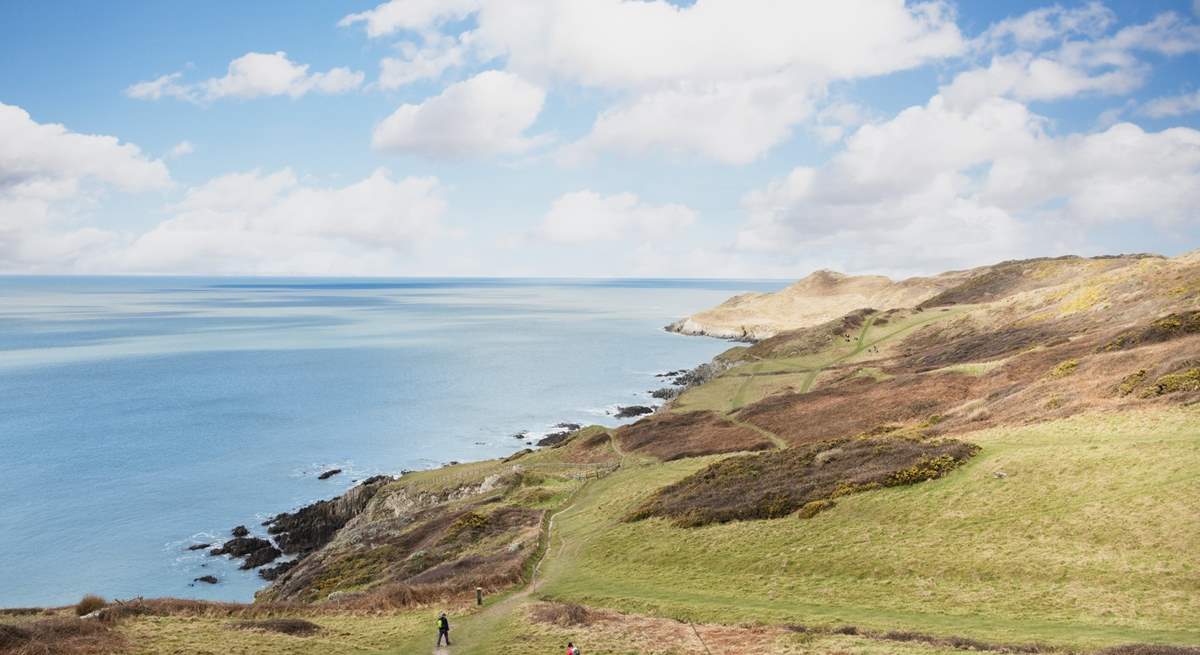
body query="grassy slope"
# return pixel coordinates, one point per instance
(750, 382)
(212, 636)
(1091, 539)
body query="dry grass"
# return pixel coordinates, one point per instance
(60, 636)
(674, 436)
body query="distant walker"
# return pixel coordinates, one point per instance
(443, 624)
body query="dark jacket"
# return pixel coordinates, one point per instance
(443, 624)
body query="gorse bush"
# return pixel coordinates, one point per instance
(88, 604)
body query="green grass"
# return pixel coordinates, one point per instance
(752, 381)
(1090, 540)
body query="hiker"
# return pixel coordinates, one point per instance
(572, 650)
(443, 629)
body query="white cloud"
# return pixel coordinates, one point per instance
(724, 79)
(258, 223)
(415, 15)
(47, 171)
(252, 75)
(487, 114)
(939, 186)
(1049, 23)
(1086, 60)
(586, 216)
(1188, 103)
(436, 56)
(181, 149)
(731, 122)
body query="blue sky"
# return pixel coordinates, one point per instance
(758, 138)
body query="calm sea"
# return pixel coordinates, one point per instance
(141, 415)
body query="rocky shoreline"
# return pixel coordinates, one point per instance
(292, 536)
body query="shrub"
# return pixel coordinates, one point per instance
(88, 604)
(814, 507)
(1188, 380)
(295, 627)
(563, 614)
(1064, 368)
(1131, 382)
(776, 483)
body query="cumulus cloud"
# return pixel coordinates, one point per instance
(1188, 103)
(254, 74)
(46, 171)
(939, 186)
(1086, 59)
(272, 223)
(487, 114)
(586, 216)
(415, 15)
(724, 79)
(428, 61)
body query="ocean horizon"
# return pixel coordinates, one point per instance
(142, 415)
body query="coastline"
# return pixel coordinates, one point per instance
(293, 534)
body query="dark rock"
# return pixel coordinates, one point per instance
(670, 374)
(198, 546)
(569, 427)
(312, 526)
(521, 435)
(241, 546)
(272, 572)
(553, 438)
(239, 531)
(209, 579)
(633, 410)
(329, 474)
(666, 393)
(260, 557)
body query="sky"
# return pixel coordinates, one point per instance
(593, 138)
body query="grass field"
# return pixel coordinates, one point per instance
(340, 634)
(1091, 539)
(754, 380)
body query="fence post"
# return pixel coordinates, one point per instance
(478, 595)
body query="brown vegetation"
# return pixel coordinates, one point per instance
(294, 627)
(675, 436)
(562, 614)
(88, 604)
(858, 405)
(59, 636)
(775, 484)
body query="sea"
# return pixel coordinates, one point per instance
(142, 415)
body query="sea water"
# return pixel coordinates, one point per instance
(139, 416)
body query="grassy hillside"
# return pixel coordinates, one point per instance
(1090, 539)
(1052, 408)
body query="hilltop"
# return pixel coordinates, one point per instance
(1000, 459)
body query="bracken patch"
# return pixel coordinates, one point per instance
(775, 484)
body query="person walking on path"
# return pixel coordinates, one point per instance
(443, 624)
